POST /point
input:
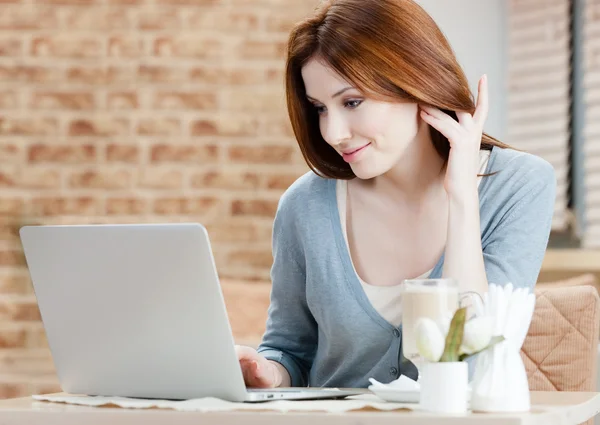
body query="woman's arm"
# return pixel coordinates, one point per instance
(463, 258)
(290, 339)
(514, 249)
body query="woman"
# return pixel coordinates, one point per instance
(404, 184)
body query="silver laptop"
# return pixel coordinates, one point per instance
(137, 311)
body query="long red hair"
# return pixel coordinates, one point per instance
(392, 48)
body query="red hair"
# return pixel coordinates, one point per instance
(391, 48)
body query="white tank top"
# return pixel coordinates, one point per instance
(387, 299)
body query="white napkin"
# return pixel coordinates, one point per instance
(209, 404)
(500, 383)
(403, 383)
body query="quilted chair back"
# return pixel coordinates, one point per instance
(561, 348)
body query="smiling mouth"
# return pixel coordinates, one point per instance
(355, 150)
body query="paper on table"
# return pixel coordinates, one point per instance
(403, 383)
(210, 404)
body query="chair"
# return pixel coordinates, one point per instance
(560, 350)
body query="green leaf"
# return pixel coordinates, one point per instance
(455, 336)
(495, 340)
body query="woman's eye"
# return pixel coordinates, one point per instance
(320, 109)
(353, 103)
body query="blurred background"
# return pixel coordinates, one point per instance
(123, 111)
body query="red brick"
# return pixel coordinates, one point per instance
(190, 46)
(126, 206)
(204, 128)
(34, 126)
(11, 47)
(69, 2)
(56, 206)
(122, 100)
(13, 337)
(186, 206)
(276, 76)
(258, 50)
(97, 18)
(226, 180)
(255, 100)
(183, 153)
(161, 179)
(278, 127)
(100, 75)
(257, 207)
(11, 258)
(261, 154)
(239, 126)
(253, 258)
(10, 153)
(125, 46)
(62, 100)
(28, 18)
(223, 19)
(14, 390)
(30, 74)
(160, 18)
(186, 100)
(100, 126)
(229, 231)
(25, 310)
(46, 388)
(67, 46)
(9, 177)
(228, 76)
(62, 154)
(161, 74)
(10, 207)
(282, 20)
(120, 179)
(9, 100)
(123, 153)
(36, 338)
(271, 3)
(159, 127)
(15, 284)
(191, 2)
(281, 181)
(40, 179)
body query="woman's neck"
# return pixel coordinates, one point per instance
(418, 173)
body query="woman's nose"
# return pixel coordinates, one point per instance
(335, 129)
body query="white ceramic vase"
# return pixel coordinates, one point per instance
(444, 387)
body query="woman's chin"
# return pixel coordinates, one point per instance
(365, 172)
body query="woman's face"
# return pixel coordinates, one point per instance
(370, 135)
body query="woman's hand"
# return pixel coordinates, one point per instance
(258, 371)
(464, 136)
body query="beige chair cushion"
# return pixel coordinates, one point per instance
(560, 351)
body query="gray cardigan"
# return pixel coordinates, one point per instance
(322, 327)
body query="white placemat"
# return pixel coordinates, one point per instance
(210, 404)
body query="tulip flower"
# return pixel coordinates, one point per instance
(477, 335)
(429, 339)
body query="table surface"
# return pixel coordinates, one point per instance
(548, 408)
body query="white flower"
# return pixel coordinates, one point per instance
(477, 334)
(444, 323)
(429, 338)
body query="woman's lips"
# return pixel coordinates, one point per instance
(354, 155)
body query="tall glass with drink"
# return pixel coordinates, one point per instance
(433, 298)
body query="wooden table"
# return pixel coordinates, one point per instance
(548, 408)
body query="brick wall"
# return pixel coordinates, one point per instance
(138, 111)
